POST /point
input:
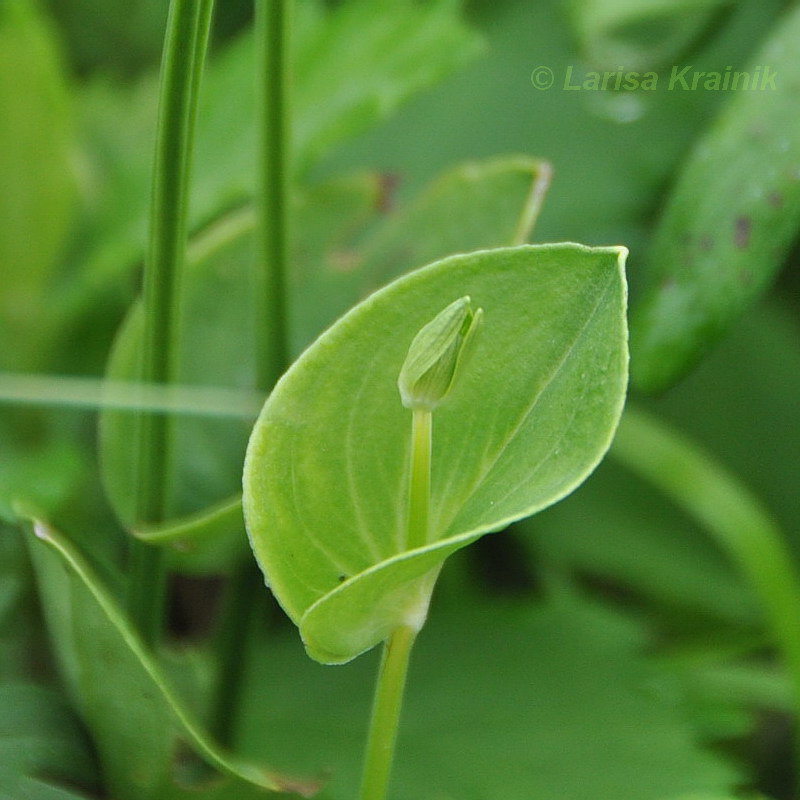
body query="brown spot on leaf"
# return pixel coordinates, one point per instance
(344, 261)
(706, 242)
(742, 229)
(775, 199)
(387, 184)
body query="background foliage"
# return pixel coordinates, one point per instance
(607, 647)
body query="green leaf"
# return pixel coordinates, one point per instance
(127, 36)
(353, 65)
(471, 206)
(41, 746)
(506, 702)
(325, 483)
(729, 222)
(136, 718)
(626, 533)
(18, 620)
(639, 36)
(217, 294)
(345, 244)
(39, 476)
(730, 513)
(758, 363)
(36, 173)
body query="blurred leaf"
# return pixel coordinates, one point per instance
(472, 206)
(116, 35)
(36, 174)
(41, 476)
(620, 530)
(717, 796)
(217, 347)
(353, 65)
(14, 618)
(135, 717)
(202, 541)
(42, 748)
(504, 703)
(612, 151)
(758, 363)
(188, 531)
(729, 222)
(346, 244)
(469, 207)
(325, 484)
(639, 36)
(729, 512)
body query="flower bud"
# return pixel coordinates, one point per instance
(436, 355)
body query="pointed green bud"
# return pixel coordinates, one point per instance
(436, 355)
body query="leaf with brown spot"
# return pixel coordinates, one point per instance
(735, 210)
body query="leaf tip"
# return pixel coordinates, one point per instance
(41, 531)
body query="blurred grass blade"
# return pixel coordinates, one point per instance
(98, 394)
(729, 511)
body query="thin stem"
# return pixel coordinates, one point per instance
(420, 479)
(397, 650)
(185, 45)
(273, 21)
(232, 642)
(386, 713)
(735, 518)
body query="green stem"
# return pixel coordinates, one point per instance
(185, 45)
(420, 479)
(232, 647)
(273, 20)
(391, 683)
(386, 713)
(731, 514)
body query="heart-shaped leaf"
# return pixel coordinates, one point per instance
(326, 474)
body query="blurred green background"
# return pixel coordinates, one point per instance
(616, 566)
